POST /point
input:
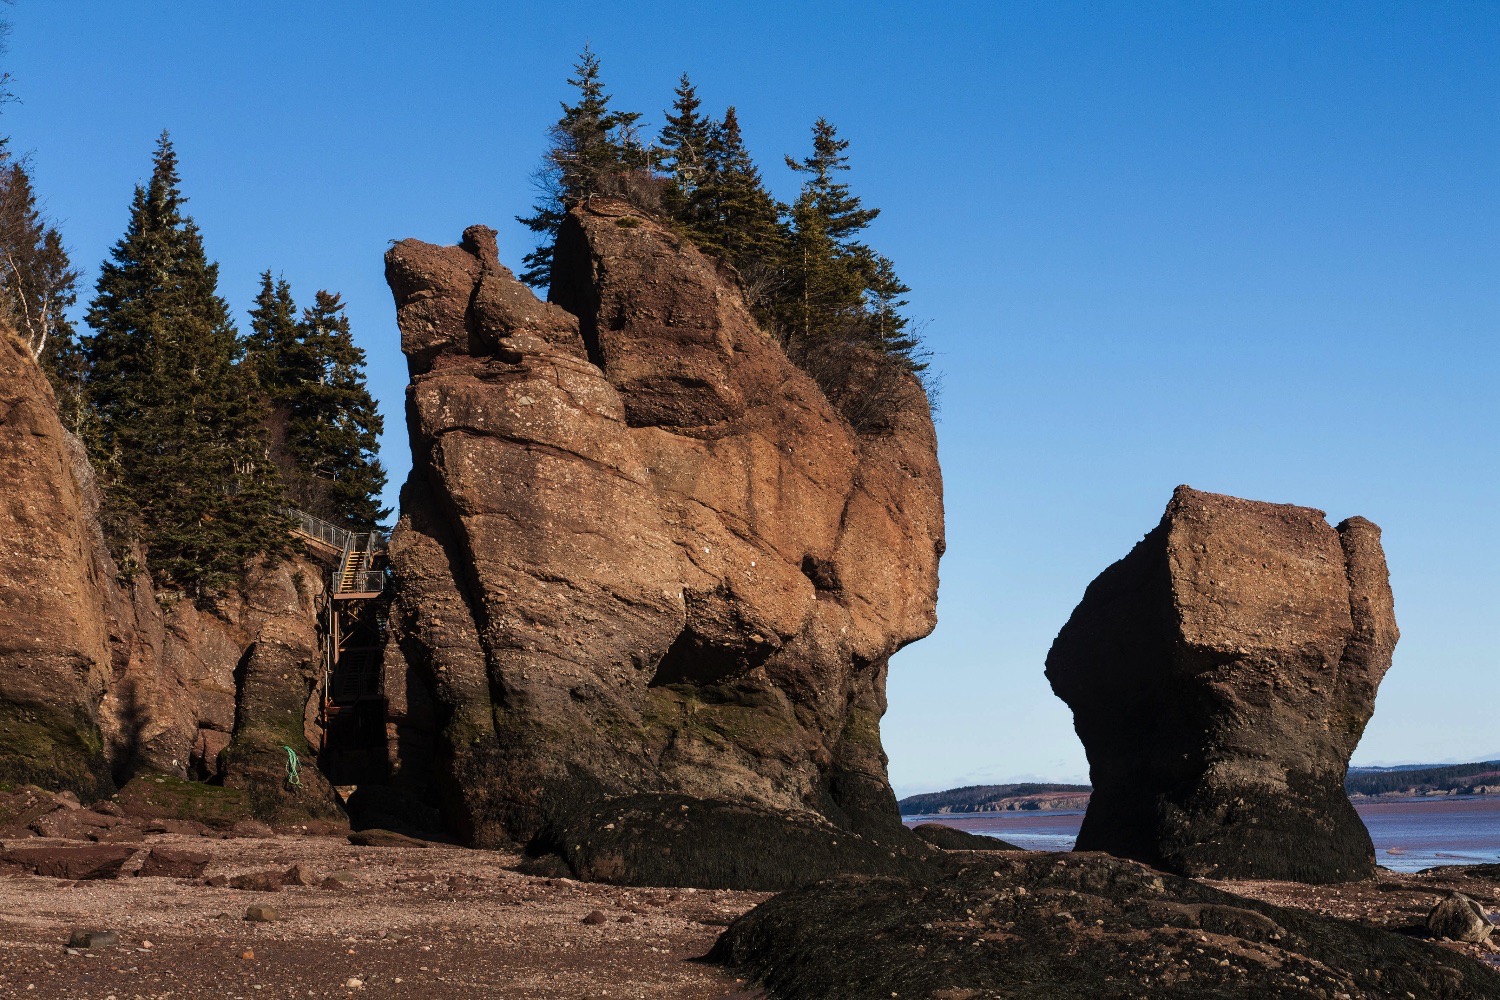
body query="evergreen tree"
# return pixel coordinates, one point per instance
(841, 211)
(180, 443)
(683, 152)
(590, 146)
(272, 347)
(891, 330)
(739, 218)
(824, 295)
(332, 423)
(37, 280)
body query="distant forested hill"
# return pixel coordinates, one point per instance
(1482, 778)
(1431, 779)
(997, 798)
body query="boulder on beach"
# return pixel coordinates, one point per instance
(1220, 677)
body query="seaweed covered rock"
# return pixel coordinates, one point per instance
(639, 551)
(953, 839)
(674, 840)
(1220, 677)
(1072, 927)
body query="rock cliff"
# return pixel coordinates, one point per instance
(99, 678)
(55, 648)
(639, 553)
(1220, 677)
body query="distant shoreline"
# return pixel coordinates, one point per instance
(1363, 785)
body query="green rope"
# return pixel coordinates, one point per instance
(293, 769)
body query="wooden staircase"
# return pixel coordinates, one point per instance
(353, 711)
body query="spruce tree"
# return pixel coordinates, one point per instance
(590, 146)
(824, 295)
(180, 443)
(740, 217)
(38, 282)
(271, 348)
(890, 330)
(332, 423)
(843, 215)
(683, 152)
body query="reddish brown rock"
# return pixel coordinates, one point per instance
(1220, 677)
(639, 551)
(55, 653)
(91, 862)
(99, 680)
(173, 862)
(263, 881)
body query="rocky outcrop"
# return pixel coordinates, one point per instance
(55, 649)
(1220, 677)
(1024, 925)
(639, 552)
(100, 677)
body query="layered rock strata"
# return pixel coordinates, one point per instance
(639, 552)
(1220, 677)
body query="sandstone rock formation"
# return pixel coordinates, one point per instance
(100, 677)
(55, 650)
(1220, 676)
(639, 552)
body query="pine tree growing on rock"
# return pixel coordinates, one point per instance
(180, 443)
(593, 150)
(271, 349)
(332, 423)
(38, 283)
(683, 153)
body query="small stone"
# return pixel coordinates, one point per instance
(595, 917)
(354, 984)
(93, 939)
(247, 954)
(261, 914)
(626, 919)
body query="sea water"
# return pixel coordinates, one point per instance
(1409, 834)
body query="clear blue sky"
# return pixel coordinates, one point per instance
(1251, 247)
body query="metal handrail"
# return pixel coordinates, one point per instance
(318, 529)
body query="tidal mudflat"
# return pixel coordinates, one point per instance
(1409, 834)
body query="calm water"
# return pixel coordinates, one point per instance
(1409, 834)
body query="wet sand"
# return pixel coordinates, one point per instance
(410, 923)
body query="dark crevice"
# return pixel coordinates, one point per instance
(573, 286)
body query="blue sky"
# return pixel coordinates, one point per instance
(1251, 247)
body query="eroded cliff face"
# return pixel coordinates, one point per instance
(99, 680)
(55, 649)
(1220, 677)
(639, 553)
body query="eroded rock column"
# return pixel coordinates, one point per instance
(1220, 677)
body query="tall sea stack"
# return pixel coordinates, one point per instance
(644, 571)
(1220, 677)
